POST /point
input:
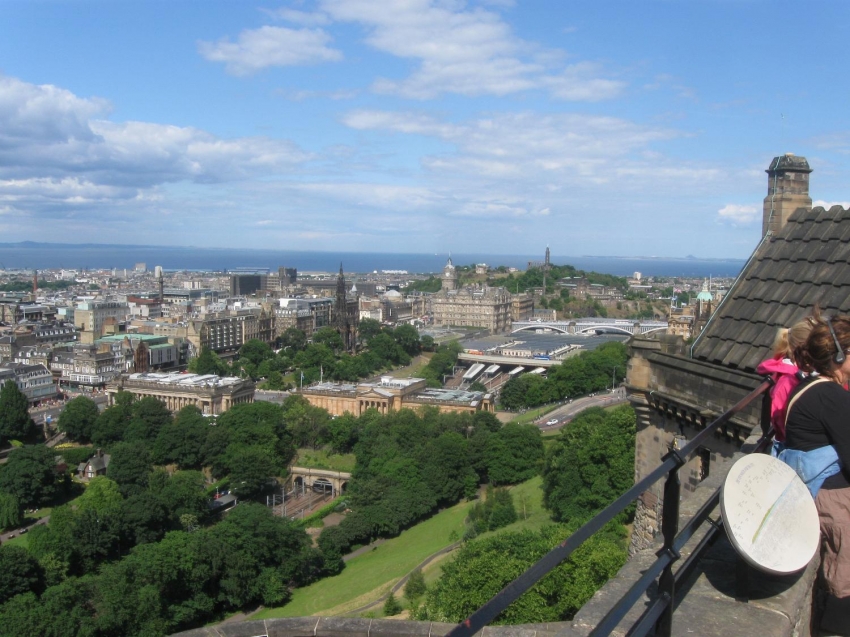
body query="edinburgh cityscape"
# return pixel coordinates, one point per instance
(422, 317)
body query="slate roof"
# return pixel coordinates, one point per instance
(806, 263)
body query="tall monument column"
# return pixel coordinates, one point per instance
(787, 190)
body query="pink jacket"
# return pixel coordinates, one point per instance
(784, 374)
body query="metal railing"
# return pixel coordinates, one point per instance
(658, 617)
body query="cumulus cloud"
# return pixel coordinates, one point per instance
(739, 214)
(527, 142)
(467, 51)
(55, 147)
(256, 49)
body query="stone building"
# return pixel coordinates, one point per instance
(473, 306)
(91, 316)
(35, 381)
(307, 315)
(225, 332)
(210, 393)
(677, 388)
(391, 394)
(522, 307)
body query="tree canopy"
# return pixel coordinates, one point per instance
(78, 418)
(590, 464)
(15, 421)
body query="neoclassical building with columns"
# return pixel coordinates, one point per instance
(210, 393)
(391, 394)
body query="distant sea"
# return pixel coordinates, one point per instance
(44, 256)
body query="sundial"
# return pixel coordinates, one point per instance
(769, 515)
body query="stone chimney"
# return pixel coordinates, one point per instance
(787, 190)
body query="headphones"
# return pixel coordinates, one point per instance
(839, 357)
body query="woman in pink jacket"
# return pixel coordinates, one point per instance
(786, 374)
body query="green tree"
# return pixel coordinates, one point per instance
(368, 328)
(484, 566)
(102, 496)
(182, 493)
(590, 465)
(30, 475)
(391, 606)
(251, 470)
(513, 454)
(415, 586)
(274, 381)
(129, 466)
(208, 362)
(294, 339)
(328, 336)
(427, 342)
(21, 573)
(113, 421)
(150, 415)
(182, 440)
(144, 519)
(408, 338)
(11, 511)
(78, 418)
(255, 351)
(15, 421)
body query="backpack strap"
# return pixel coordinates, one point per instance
(803, 390)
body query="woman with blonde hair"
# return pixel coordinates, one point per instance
(783, 367)
(816, 425)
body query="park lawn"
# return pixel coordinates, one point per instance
(368, 576)
(533, 414)
(37, 515)
(21, 540)
(528, 500)
(322, 459)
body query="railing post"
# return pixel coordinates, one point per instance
(669, 529)
(765, 411)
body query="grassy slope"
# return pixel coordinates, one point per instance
(321, 459)
(368, 576)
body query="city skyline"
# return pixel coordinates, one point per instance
(414, 126)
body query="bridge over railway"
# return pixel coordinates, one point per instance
(333, 482)
(587, 325)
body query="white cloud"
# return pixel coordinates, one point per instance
(829, 204)
(466, 51)
(56, 149)
(739, 214)
(256, 49)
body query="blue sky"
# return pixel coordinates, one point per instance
(598, 128)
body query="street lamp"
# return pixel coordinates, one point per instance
(612, 378)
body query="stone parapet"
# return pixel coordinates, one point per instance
(357, 627)
(776, 606)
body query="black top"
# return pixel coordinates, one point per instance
(821, 417)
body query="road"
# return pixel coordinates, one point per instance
(565, 413)
(28, 524)
(53, 409)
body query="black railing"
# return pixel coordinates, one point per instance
(658, 617)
